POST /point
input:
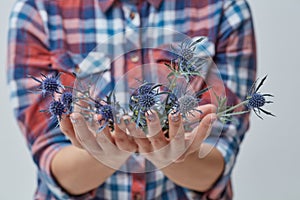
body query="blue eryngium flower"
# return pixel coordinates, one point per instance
(56, 109)
(67, 100)
(49, 84)
(146, 88)
(187, 103)
(186, 63)
(107, 115)
(256, 100)
(143, 99)
(108, 109)
(185, 51)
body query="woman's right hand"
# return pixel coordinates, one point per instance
(111, 149)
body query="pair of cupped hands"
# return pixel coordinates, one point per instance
(114, 148)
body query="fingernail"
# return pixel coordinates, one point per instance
(213, 119)
(126, 121)
(74, 121)
(178, 136)
(151, 116)
(175, 117)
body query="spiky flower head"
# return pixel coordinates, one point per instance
(185, 50)
(143, 99)
(146, 101)
(256, 100)
(187, 103)
(67, 100)
(187, 53)
(57, 109)
(49, 84)
(186, 63)
(145, 89)
(106, 111)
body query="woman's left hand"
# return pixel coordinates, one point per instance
(162, 151)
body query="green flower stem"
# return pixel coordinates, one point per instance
(235, 113)
(85, 95)
(173, 82)
(225, 112)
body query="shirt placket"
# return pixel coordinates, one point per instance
(133, 59)
(133, 49)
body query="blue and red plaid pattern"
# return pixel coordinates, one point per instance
(48, 36)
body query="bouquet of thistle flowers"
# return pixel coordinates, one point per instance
(173, 97)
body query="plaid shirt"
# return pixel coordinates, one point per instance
(57, 35)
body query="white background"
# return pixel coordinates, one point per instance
(268, 166)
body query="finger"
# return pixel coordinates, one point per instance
(202, 131)
(105, 143)
(104, 136)
(67, 128)
(107, 133)
(83, 134)
(111, 156)
(100, 126)
(201, 111)
(144, 145)
(122, 140)
(176, 136)
(94, 125)
(156, 136)
(175, 125)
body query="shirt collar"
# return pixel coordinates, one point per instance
(106, 4)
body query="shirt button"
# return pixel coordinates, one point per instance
(137, 196)
(134, 58)
(132, 15)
